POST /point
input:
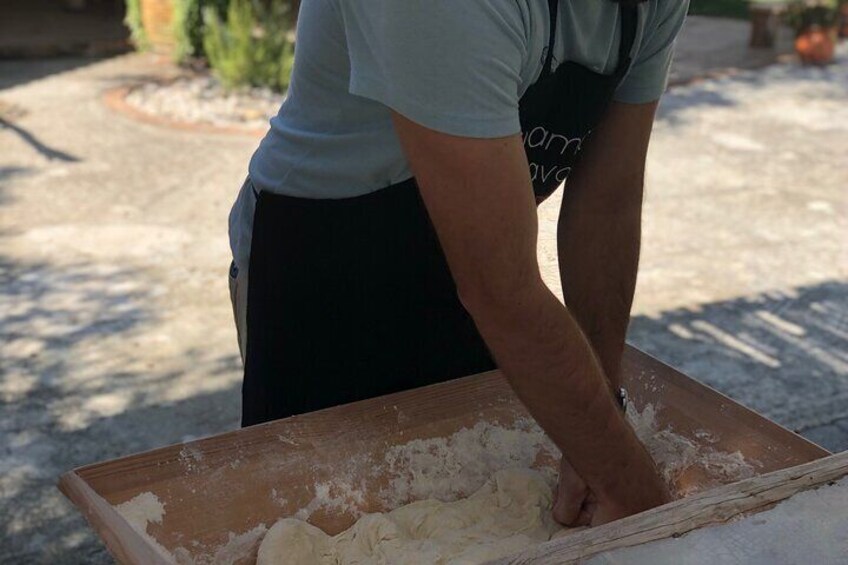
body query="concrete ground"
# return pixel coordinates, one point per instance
(715, 45)
(116, 331)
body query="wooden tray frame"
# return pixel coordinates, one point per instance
(432, 411)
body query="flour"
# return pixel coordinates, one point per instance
(457, 465)
(447, 469)
(338, 495)
(144, 509)
(240, 549)
(192, 459)
(676, 455)
(510, 512)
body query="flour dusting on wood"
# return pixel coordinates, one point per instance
(144, 509)
(446, 469)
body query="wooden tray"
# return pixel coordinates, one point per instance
(228, 484)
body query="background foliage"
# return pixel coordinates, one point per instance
(188, 25)
(253, 47)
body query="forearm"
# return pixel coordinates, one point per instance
(553, 370)
(478, 196)
(598, 260)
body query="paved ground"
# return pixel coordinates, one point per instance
(116, 333)
(710, 45)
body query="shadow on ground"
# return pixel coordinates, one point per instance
(784, 354)
(77, 386)
(49, 153)
(16, 72)
(737, 87)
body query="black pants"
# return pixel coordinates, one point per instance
(349, 299)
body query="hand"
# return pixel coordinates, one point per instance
(576, 505)
(645, 495)
(572, 498)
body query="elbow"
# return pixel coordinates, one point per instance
(495, 299)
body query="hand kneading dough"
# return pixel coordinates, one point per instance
(510, 512)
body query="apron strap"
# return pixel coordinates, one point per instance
(629, 20)
(553, 8)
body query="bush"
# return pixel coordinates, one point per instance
(252, 48)
(801, 14)
(133, 21)
(188, 26)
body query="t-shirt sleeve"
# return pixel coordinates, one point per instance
(648, 77)
(452, 66)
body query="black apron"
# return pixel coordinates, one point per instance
(352, 298)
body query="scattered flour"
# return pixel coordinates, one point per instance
(141, 510)
(457, 465)
(510, 512)
(676, 454)
(240, 549)
(337, 495)
(448, 469)
(192, 459)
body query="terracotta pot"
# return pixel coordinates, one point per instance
(815, 45)
(157, 18)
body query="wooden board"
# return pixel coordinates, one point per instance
(715, 506)
(229, 484)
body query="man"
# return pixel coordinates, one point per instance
(386, 235)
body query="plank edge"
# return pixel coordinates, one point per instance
(727, 502)
(124, 543)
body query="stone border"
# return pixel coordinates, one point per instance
(115, 99)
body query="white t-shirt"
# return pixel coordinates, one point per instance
(456, 66)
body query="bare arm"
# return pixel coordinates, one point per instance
(479, 197)
(599, 230)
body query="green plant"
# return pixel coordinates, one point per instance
(188, 26)
(803, 14)
(133, 21)
(252, 47)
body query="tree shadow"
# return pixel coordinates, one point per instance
(16, 72)
(45, 151)
(6, 175)
(737, 86)
(77, 386)
(783, 354)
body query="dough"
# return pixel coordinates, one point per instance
(510, 512)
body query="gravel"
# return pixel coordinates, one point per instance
(201, 99)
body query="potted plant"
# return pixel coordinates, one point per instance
(814, 22)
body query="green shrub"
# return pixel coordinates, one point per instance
(188, 26)
(252, 47)
(802, 14)
(132, 20)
